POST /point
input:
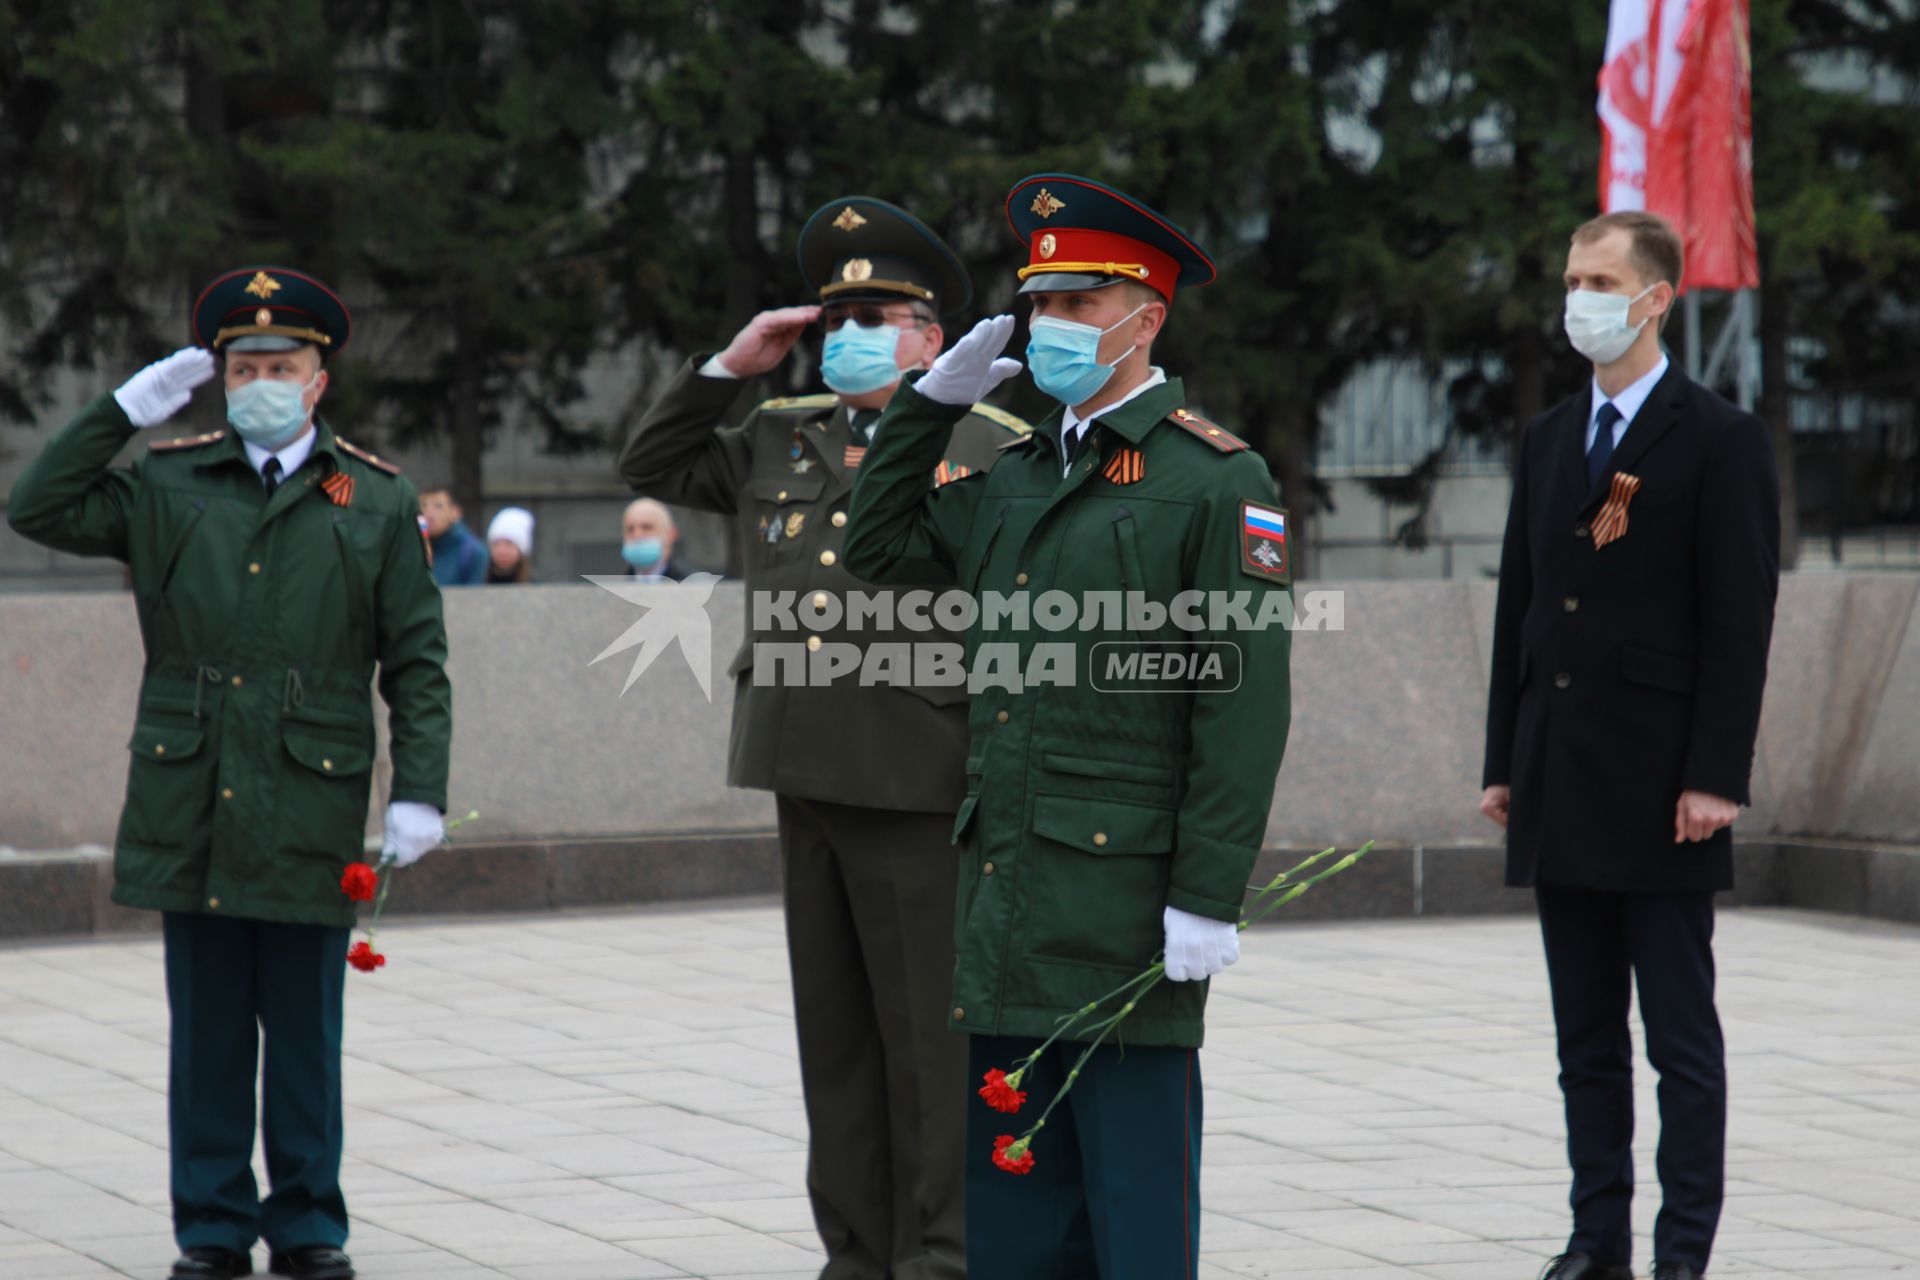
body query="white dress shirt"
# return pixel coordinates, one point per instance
(1072, 426)
(291, 456)
(1628, 402)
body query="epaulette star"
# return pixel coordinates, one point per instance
(1219, 437)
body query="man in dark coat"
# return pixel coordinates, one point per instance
(274, 567)
(1637, 588)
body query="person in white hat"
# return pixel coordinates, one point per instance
(510, 546)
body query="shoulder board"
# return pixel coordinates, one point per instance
(188, 442)
(1001, 418)
(1015, 443)
(1219, 437)
(822, 400)
(371, 460)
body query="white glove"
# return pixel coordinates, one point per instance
(973, 366)
(163, 388)
(1198, 946)
(412, 830)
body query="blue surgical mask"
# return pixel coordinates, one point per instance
(269, 412)
(643, 553)
(1064, 356)
(857, 360)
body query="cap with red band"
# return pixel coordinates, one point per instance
(1081, 234)
(270, 309)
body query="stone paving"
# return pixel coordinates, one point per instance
(614, 1097)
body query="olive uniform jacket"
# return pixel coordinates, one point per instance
(263, 620)
(1090, 810)
(785, 474)
(1630, 640)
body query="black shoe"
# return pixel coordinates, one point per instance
(205, 1262)
(1675, 1271)
(1581, 1266)
(312, 1262)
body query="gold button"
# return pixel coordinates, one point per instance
(839, 519)
(327, 765)
(959, 1015)
(819, 599)
(160, 750)
(213, 903)
(1099, 837)
(226, 793)
(780, 496)
(987, 870)
(813, 644)
(1001, 717)
(827, 557)
(1019, 579)
(254, 567)
(236, 682)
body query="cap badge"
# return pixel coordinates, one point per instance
(848, 219)
(1046, 205)
(1047, 245)
(263, 317)
(857, 269)
(263, 285)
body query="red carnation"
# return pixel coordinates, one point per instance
(363, 957)
(359, 882)
(1012, 1155)
(1001, 1092)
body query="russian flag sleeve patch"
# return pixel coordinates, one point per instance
(1263, 542)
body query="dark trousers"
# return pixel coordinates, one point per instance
(1597, 943)
(869, 899)
(227, 982)
(1114, 1192)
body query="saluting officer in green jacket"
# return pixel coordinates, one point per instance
(1116, 805)
(867, 774)
(274, 567)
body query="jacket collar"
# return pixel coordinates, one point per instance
(1655, 419)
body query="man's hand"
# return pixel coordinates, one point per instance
(764, 343)
(974, 365)
(1699, 814)
(163, 388)
(412, 831)
(1495, 801)
(1198, 946)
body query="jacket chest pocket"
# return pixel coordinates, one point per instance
(169, 785)
(324, 785)
(1099, 880)
(779, 522)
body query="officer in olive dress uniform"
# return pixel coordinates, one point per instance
(275, 567)
(1106, 820)
(867, 775)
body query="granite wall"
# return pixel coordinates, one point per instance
(1385, 740)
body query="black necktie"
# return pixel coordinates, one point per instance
(1602, 447)
(271, 474)
(862, 423)
(1070, 446)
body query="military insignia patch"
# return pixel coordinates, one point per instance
(1046, 204)
(801, 467)
(853, 456)
(339, 489)
(1611, 523)
(263, 286)
(849, 220)
(1126, 466)
(857, 269)
(1263, 542)
(795, 522)
(948, 472)
(1047, 245)
(426, 539)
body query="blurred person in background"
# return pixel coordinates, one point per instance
(647, 537)
(510, 546)
(459, 558)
